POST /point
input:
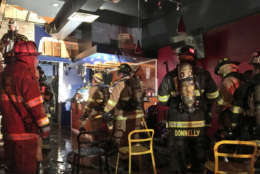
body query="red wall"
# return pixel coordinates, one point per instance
(236, 41)
(165, 54)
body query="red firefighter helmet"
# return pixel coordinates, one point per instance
(25, 48)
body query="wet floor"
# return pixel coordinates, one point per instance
(55, 159)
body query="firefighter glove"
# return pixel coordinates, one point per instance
(107, 116)
(82, 129)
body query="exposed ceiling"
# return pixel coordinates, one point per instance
(41, 7)
(124, 9)
(159, 18)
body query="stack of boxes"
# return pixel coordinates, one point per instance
(59, 48)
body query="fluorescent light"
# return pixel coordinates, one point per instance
(83, 17)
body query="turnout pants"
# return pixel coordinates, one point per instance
(187, 154)
(22, 153)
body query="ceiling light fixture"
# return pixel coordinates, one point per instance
(55, 4)
(83, 17)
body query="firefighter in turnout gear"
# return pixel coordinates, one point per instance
(246, 104)
(231, 80)
(8, 40)
(94, 108)
(46, 91)
(189, 92)
(126, 103)
(24, 119)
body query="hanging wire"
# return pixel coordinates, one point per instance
(138, 8)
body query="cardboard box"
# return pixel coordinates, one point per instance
(47, 48)
(72, 49)
(56, 49)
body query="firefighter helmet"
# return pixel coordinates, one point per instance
(25, 48)
(226, 66)
(187, 53)
(255, 58)
(98, 77)
(124, 69)
(12, 22)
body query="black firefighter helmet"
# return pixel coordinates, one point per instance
(255, 59)
(187, 53)
(125, 69)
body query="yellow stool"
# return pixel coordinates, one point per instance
(135, 147)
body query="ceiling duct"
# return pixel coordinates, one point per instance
(68, 18)
(67, 10)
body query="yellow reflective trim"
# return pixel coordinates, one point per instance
(186, 124)
(16, 99)
(125, 98)
(35, 101)
(121, 117)
(99, 100)
(213, 95)
(43, 122)
(174, 93)
(164, 98)
(220, 101)
(90, 100)
(106, 109)
(236, 110)
(111, 103)
(197, 93)
(233, 124)
(202, 91)
(22, 136)
(139, 111)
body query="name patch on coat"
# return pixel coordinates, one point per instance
(186, 133)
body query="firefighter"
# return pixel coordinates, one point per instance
(94, 108)
(246, 103)
(47, 96)
(24, 121)
(8, 40)
(189, 91)
(126, 104)
(231, 79)
(45, 91)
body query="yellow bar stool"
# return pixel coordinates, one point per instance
(223, 167)
(138, 146)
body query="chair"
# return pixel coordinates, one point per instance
(87, 148)
(235, 166)
(136, 147)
